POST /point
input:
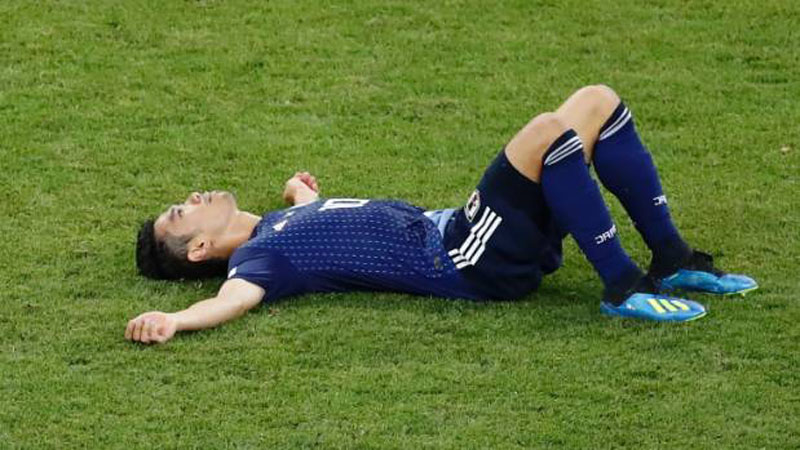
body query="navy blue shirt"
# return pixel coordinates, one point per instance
(339, 245)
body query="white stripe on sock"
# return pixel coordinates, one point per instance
(616, 122)
(570, 142)
(623, 119)
(555, 157)
(563, 156)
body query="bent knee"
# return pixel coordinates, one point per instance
(600, 91)
(547, 127)
(601, 98)
(535, 138)
(527, 149)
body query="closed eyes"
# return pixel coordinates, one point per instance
(175, 210)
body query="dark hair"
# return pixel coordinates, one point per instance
(166, 259)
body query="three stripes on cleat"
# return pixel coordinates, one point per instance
(662, 305)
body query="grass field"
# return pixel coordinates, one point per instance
(111, 110)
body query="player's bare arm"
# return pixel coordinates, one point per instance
(233, 300)
(217, 228)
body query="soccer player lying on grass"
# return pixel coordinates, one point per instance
(498, 246)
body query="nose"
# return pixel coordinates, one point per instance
(195, 198)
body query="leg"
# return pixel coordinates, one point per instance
(547, 150)
(626, 168)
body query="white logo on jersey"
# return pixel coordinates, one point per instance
(606, 235)
(660, 200)
(473, 247)
(279, 226)
(473, 205)
(232, 272)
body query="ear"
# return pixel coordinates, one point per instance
(198, 250)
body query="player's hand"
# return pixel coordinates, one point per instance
(301, 187)
(307, 179)
(151, 328)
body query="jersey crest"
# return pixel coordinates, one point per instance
(473, 205)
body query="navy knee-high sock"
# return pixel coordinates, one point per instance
(626, 168)
(573, 197)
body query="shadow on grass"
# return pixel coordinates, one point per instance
(566, 306)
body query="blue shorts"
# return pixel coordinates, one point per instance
(505, 237)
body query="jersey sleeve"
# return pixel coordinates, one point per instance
(270, 270)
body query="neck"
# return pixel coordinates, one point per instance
(239, 231)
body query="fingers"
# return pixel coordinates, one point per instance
(147, 330)
(144, 329)
(137, 329)
(129, 329)
(308, 179)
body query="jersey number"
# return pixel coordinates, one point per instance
(339, 203)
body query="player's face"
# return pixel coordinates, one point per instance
(207, 213)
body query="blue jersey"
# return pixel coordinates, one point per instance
(338, 245)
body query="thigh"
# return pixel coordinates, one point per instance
(527, 148)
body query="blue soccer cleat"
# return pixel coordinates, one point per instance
(700, 275)
(655, 307)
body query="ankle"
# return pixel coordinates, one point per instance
(668, 256)
(623, 286)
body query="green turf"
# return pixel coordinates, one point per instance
(111, 110)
